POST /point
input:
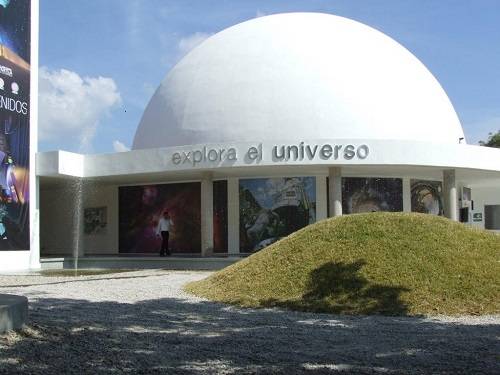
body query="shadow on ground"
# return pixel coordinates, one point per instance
(176, 336)
(338, 288)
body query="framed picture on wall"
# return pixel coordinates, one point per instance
(95, 220)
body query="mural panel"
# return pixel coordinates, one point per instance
(141, 207)
(427, 197)
(371, 195)
(272, 208)
(220, 216)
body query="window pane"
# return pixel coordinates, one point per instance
(492, 217)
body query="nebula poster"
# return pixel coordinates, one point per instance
(371, 195)
(14, 124)
(272, 208)
(141, 207)
(220, 216)
(427, 197)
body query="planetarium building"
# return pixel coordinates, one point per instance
(262, 129)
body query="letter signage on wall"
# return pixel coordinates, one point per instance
(283, 153)
(15, 45)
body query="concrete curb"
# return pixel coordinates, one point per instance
(146, 262)
(13, 312)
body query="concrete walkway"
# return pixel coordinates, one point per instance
(142, 322)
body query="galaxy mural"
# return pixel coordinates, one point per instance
(141, 207)
(14, 124)
(427, 197)
(272, 208)
(371, 195)
(220, 216)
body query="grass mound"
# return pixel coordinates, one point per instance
(376, 263)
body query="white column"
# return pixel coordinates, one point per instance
(34, 181)
(406, 195)
(233, 216)
(80, 189)
(321, 198)
(35, 227)
(207, 215)
(450, 195)
(335, 190)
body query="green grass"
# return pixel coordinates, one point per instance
(376, 263)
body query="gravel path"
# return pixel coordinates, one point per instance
(142, 322)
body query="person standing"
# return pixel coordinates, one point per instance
(163, 229)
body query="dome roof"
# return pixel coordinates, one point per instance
(297, 76)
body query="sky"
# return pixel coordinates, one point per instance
(102, 60)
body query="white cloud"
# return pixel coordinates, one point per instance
(188, 43)
(119, 146)
(72, 106)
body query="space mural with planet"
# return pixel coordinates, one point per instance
(272, 208)
(427, 197)
(371, 195)
(15, 48)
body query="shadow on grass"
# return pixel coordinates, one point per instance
(339, 288)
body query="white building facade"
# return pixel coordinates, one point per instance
(264, 128)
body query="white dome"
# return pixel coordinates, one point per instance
(297, 76)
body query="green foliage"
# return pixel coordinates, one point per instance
(376, 263)
(493, 140)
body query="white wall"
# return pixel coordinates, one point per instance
(61, 223)
(62, 217)
(107, 243)
(481, 197)
(57, 220)
(60, 205)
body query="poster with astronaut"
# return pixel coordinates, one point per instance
(14, 124)
(427, 197)
(141, 207)
(371, 194)
(272, 208)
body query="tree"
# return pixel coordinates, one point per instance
(493, 140)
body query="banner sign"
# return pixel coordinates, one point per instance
(14, 123)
